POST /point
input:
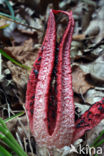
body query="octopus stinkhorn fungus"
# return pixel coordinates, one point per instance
(49, 97)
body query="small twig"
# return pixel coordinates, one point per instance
(99, 88)
(28, 136)
(81, 37)
(19, 140)
(9, 19)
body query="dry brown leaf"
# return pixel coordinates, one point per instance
(19, 75)
(13, 124)
(80, 85)
(96, 26)
(2, 22)
(93, 96)
(20, 36)
(14, 87)
(25, 53)
(97, 68)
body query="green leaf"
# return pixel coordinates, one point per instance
(96, 142)
(13, 117)
(4, 26)
(14, 61)
(4, 152)
(9, 140)
(2, 123)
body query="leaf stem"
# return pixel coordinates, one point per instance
(10, 8)
(17, 21)
(3, 152)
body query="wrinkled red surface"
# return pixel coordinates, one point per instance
(31, 88)
(52, 115)
(34, 76)
(49, 104)
(89, 119)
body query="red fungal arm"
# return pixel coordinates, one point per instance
(31, 87)
(65, 105)
(33, 78)
(40, 124)
(89, 119)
